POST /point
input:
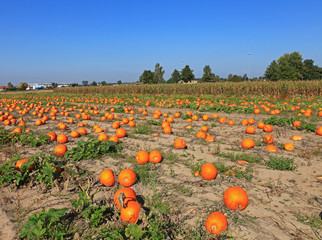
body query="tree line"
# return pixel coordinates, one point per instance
(185, 75)
(291, 66)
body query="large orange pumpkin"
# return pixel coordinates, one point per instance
(130, 212)
(107, 177)
(208, 171)
(236, 198)
(129, 195)
(216, 223)
(127, 177)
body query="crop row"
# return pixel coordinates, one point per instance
(279, 89)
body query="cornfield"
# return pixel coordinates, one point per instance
(279, 89)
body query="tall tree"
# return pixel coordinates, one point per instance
(94, 83)
(311, 71)
(175, 77)
(290, 66)
(158, 74)
(85, 83)
(207, 76)
(103, 83)
(54, 85)
(146, 77)
(272, 71)
(187, 74)
(119, 82)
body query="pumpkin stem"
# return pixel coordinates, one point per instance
(121, 198)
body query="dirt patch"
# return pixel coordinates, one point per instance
(278, 199)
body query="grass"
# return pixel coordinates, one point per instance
(313, 221)
(146, 175)
(142, 129)
(243, 156)
(281, 163)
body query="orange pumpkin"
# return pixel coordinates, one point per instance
(127, 177)
(236, 198)
(216, 223)
(268, 139)
(129, 195)
(179, 143)
(271, 148)
(22, 161)
(250, 130)
(142, 157)
(248, 143)
(288, 146)
(60, 150)
(62, 138)
(107, 177)
(208, 171)
(155, 157)
(120, 133)
(130, 212)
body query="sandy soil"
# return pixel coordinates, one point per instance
(276, 198)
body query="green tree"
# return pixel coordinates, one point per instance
(23, 85)
(158, 74)
(230, 76)
(245, 77)
(119, 82)
(54, 85)
(207, 76)
(311, 71)
(175, 77)
(146, 77)
(187, 74)
(290, 66)
(236, 78)
(85, 83)
(94, 83)
(103, 83)
(272, 71)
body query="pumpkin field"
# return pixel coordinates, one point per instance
(95, 165)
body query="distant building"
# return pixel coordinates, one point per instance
(3, 88)
(191, 82)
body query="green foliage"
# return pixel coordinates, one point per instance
(187, 74)
(143, 129)
(133, 230)
(281, 121)
(153, 122)
(24, 139)
(158, 74)
(291, 67)
(95, 214)
(281, 163)
(146, 77)
(251, 158)
(44, 171)
(145, 173)
(312, 221)
(207, 76)
(92, 148)
(45, 225)
(175, 77)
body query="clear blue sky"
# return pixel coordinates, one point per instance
(75, 40)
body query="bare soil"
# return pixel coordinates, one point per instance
(277, 199)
